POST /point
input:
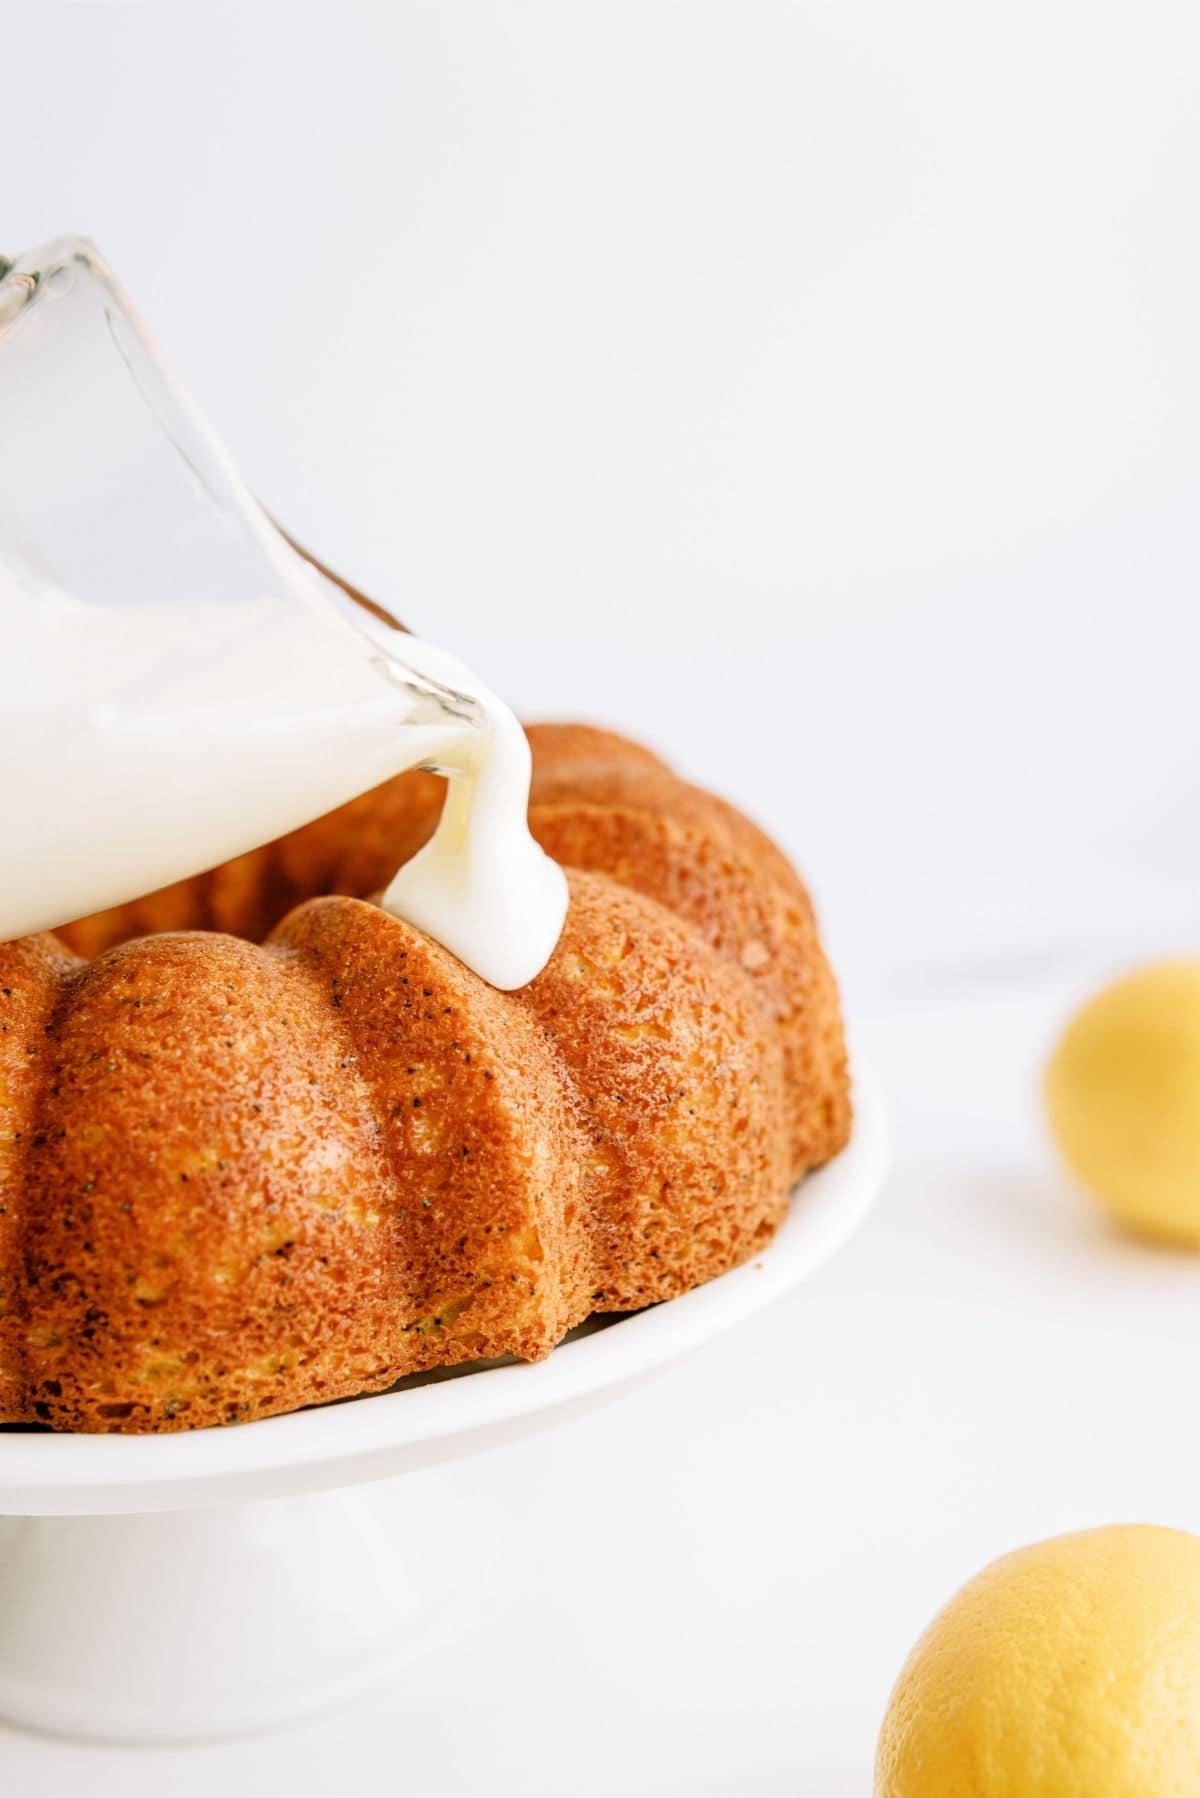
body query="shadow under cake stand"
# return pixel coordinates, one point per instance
(164, 1588)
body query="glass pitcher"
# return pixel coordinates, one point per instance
(180, 684)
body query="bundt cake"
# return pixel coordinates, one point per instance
(263, 1145)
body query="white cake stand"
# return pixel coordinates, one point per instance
(229, 1580)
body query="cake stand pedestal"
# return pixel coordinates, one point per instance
(224, 1581)
(226, 1620)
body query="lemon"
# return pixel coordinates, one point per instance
(1067, 1670)
(1123, 1091)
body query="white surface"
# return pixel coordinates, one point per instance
(580, 333)
(710, 1585)
(187, 1623)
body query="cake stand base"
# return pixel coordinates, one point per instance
(189, 1624)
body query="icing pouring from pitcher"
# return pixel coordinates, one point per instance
(182, 685)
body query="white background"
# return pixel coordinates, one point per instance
(815, 390)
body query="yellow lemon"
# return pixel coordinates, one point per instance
(1123, 1091)
(1067, 1670)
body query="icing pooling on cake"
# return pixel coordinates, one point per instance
(143, 743)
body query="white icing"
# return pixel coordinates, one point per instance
(140, 744)
(481, 885)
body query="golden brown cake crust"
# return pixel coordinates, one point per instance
(242, 1176)
(762, 927)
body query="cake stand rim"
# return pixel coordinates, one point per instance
(78, 1474)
